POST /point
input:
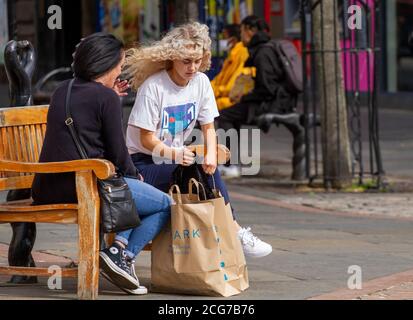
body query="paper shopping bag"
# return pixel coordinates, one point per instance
(231, 253)
(187, 255)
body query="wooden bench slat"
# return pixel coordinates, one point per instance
(34, 143)
(17, 144)
(18, 116)
(223, 153)
(102, 168)
(23, 271)
(17, 182)
(26, 206)
(52, 216)
(24, 144)
(11, 144)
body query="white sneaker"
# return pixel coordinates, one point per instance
(251, 245)
(231, 171)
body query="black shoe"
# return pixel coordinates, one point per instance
(141, 290)
(113, 262)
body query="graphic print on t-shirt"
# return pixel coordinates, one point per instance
(176, 119)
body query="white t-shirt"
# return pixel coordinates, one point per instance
(170, 110)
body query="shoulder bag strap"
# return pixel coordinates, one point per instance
(70, 125)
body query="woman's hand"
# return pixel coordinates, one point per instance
(210, 163)
(120, 87)
(185, 157)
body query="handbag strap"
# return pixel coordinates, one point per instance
(69, 122)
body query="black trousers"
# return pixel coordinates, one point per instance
(234, 117)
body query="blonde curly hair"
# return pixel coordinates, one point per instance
(188, 41)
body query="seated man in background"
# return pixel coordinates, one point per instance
(268, 94)
(233, 66)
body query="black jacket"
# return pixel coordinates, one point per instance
(97, 115)
(268, 94)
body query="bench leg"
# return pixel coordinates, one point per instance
(22, 241)
(88, 219)
(292, 122)
(21, 245)
(299, 159)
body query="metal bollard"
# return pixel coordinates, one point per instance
(19, 61)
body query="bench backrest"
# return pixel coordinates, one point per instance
(22, 131)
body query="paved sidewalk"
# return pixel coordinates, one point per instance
(312, 252)
(315, 235)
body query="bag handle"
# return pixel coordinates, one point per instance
(192, 182)
(178, 192)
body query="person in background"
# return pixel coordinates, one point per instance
(268, 94)
(232, 67)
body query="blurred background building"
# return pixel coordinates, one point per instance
(145, 20)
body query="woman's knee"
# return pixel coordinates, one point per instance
(167, 201)
(165, 216)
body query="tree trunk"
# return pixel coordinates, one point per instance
(330, 91)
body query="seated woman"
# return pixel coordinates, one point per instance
(173, 94)
(97, 115)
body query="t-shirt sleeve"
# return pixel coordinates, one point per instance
(145, 113)
(208, 109)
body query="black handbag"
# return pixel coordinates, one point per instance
(117, 207)
(182, 174)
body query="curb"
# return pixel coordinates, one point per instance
(371, 287)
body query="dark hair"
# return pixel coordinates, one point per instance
(255, 22)
(96, 54)
(233, 30)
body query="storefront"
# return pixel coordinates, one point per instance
(145, 20)
(130, 20)
(395, 25)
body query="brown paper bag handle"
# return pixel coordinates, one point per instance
(193, 181)
(178, 192)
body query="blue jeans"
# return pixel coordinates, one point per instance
(154, 209)
(160, 175)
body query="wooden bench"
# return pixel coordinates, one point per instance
(22, 131)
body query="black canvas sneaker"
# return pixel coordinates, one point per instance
(113, 262)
